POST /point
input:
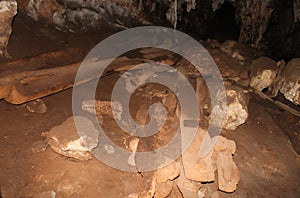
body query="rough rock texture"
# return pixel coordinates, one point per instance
(236, 109)
(271, 26)
(228, 174)
(65, 140)
(291, 83)
(238, 51)
(198, 169)
(42, 9)
(263, 73)
(8, 9)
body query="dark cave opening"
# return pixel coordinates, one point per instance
(223, 25)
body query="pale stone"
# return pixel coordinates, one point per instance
(263, 73)
(188, 187)
(228, 173)
(196, 168)
(233, 114)
(291, 81)
(66, 140)
(169, 172)
(8, 9)
(42, 9)
(36, 106)
(163, 189)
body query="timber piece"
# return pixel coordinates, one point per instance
(42, 61)
(278, 103)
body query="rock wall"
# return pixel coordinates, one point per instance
(8, 9)
(271, 25)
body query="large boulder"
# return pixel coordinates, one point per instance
(263, 73)
(291, 81)
(8, 9)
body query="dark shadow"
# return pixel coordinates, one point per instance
(223, 25)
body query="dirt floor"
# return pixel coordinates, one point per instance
(268, 164)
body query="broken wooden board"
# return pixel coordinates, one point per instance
(38, 79)
(42, 61)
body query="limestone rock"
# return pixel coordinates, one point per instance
(64, 139)
(163, 189)
(238, 51)
(291, 84)
(228, 173)
(196, 168)
(169, 172)
(233, 114)
(188, 188)
(36, 106)
(42, 9)
(263, 73)
(8, 9)
(103, 108)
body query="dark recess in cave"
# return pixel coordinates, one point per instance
(223, 25)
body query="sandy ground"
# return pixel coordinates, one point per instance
(268, 164)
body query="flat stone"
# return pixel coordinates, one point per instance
(196, 168)
(36, 106)
(66, 140)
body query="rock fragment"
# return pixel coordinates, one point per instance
(263, 73)
(8, 9)
(233, 114)
(36, 106)
(65, 140)
(228, 174)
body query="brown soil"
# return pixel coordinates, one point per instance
(268, 164)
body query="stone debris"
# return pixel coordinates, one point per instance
(39, 146)
(201, 170)
(233, 114)
(263, 73)
(196, 169)
(8, 9)
(64, 139)
(42, 9)
(228, 173)
(103, 108)
(47, 194)
(188, 188)
(291, 81)
(36, 106)
(164, 189)
(168, 173)
(238, 51)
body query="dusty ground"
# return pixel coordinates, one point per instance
(268, 164)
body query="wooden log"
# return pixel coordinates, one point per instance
(42, 61)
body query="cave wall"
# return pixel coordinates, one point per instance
(271, 26)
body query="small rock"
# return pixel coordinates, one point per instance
(39, 146)
(263, 73)
(36, 106)
(188, 188)
(47, 194)
(69, 141)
